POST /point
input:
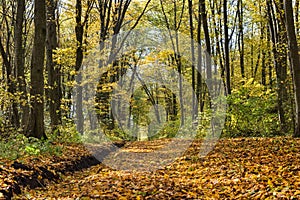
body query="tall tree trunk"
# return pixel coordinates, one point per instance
(263, 64)
(194, 100)
(297, 28)
(54, 83)
(207, 44)
(295, 60)
(35, 127)
(199, 64)
(241, 37)
(13, 113)
(219, 53)
(226, 50)
(176, 48)
(278, 37)
(20, 60)
(177, 24)
(268, 58)
(79, 30)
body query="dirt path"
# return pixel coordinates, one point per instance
(236, 169)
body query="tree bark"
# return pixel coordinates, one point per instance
(79, 31)
(199, 88)
(194, 100)
(278, 38)
(54, 83)
(241, 37)
(8, 68)
(207, 44)
(20, 60)
(35, 126)
(226, 50)
(295, 62)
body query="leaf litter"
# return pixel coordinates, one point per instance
(243, 168)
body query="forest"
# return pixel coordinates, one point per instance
(149, 99)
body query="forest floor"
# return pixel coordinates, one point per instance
(243, 168)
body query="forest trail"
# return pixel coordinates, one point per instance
(237, 168)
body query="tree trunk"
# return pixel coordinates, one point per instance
(297, 28)
(194, 100)
(13, 114)
(226, 50)
(278, 37)
(54, 83)
(199, 64)
(79, 30)
(35, 127)
(295, 62)
(20, 60)
(207, 44)
(8, 68)
(241, 37)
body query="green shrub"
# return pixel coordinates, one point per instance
(18, 145)
(65, 134)
(252, 112)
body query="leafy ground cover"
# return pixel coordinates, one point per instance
(34, 171)
(244, 168)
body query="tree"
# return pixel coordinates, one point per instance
(35, 126)
(278, 38)
(79, 31)
(177, 22)
(8, 67)
(226, 48)
(195, 108)
(20, 60)
(112, 19)
(241, 36)
(203, 13)
(294, 59)
(54, 83)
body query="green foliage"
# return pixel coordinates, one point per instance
(18, 145)
(97, 136)
(252, 112)
(65, 134)
(169, 130)
(172, 129)
(203, 124)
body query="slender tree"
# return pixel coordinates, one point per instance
(54, 83)
(6, 53)
(241, 36)
(207, 43)
(177, 21)
(199, 64)
(226, 48)
(20, 61)
(194, 101)
(112, 18)
(79, 31)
